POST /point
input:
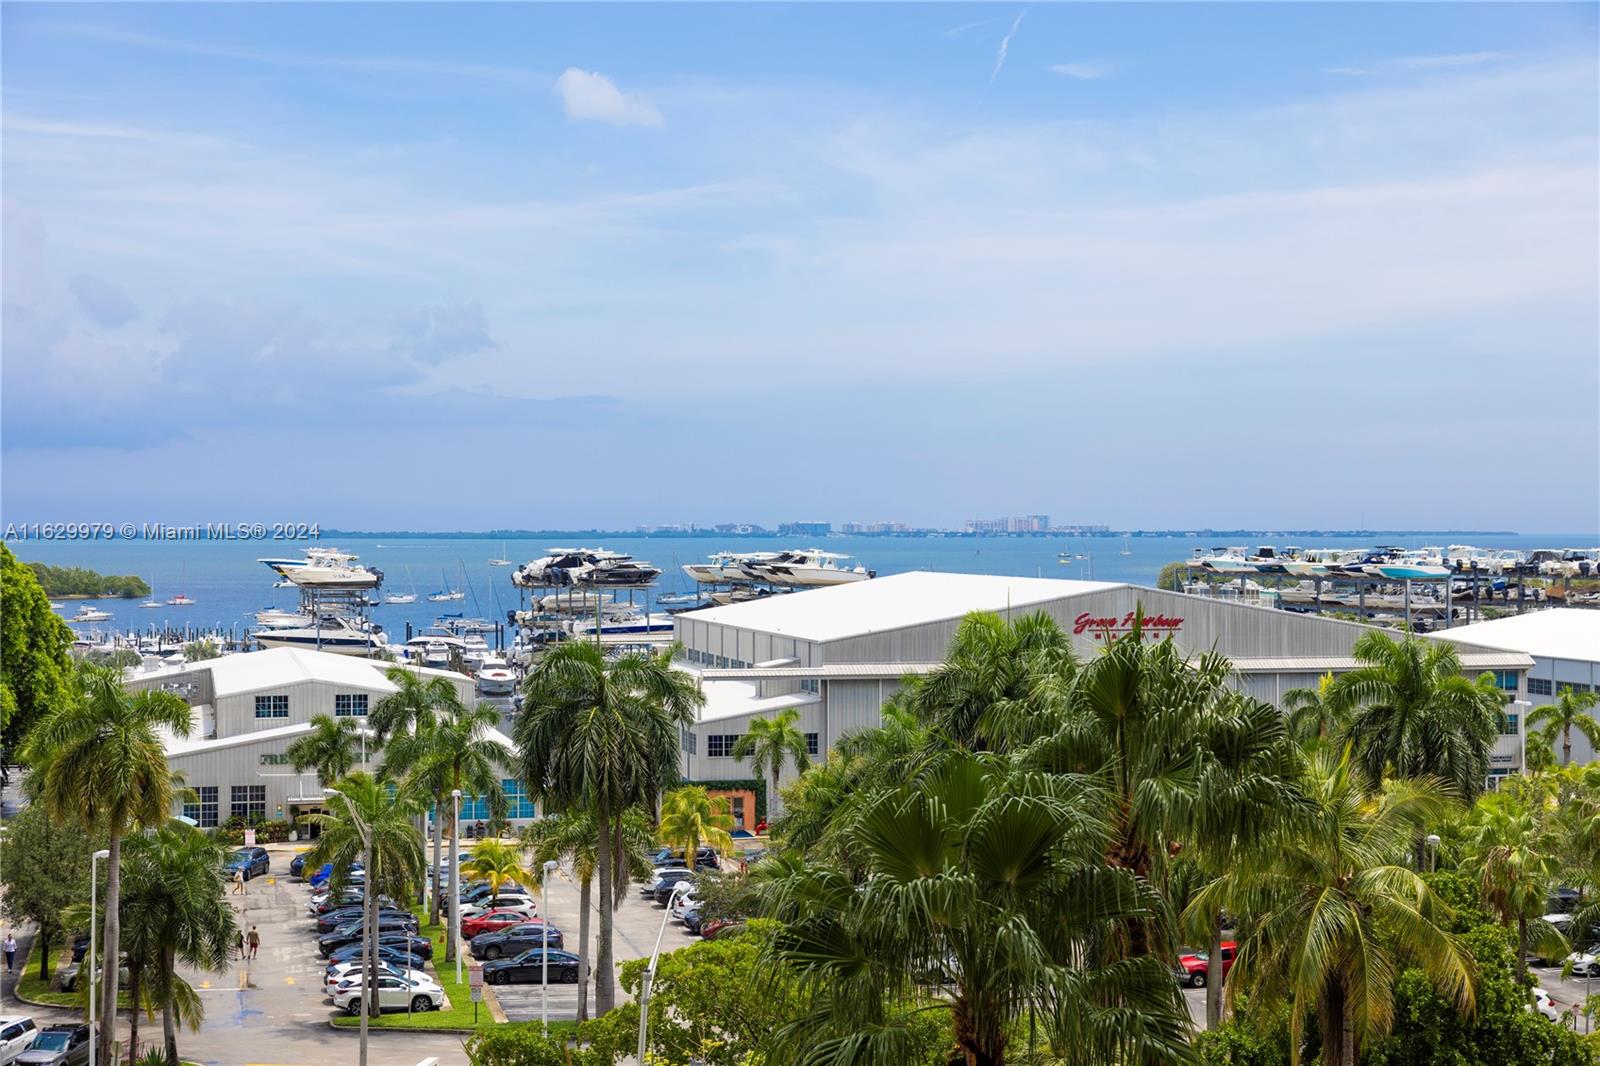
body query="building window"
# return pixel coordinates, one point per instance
(721, 745)
(518, 804)
(272, 706)
(249, 802)
(811, 743)
(810, 684)
(687, 740)
(1506, 680)
(1575, 687)
(736, 808)
(1508, 725)
(205, 812)
(350, 705)
(722, 662)
(1538, 686)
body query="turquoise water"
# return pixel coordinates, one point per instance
(229, 586)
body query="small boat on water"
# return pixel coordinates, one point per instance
(89, 613)
(57, 606)
(502, 561)
(152, 605)
(180, 600)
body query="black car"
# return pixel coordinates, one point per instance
(530, 967)
(704, 859)
(350, 897)
(57, 1045)
(328, 943)
(417, 946)
(664, 879)
(80, 947)
(327, 923)
(479, 891)
(253, 861)
(297, 866)
(691, 921)
(505, 943)
(394, 956)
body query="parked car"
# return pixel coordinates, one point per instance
(494, 920)
(1193, 966)
(515, 940)
(253, 861)
(529, 967)
(1585, 963)
(681, 902)
(420, 946)
(322, 902)
(665, 878)
(340, 980)
(327, 923)
(57, 1045)
(356, 876)
(691, 920)
(17, 1034)
(1543, 1006)
(393, 956)
(506, 901)
(670, 857)
(716, 927)
(297, 865)
(394, 994)
(328, 943)
(67, 976)
(479, 891)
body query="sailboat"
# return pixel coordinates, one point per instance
(448, 594)
(404, 597)
(1125, 550)
(152, 602)
(502, 561)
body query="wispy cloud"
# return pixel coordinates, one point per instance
(1005, 46)
(1082, 70)
(956, 31)
(588, 96)
(1445, 61)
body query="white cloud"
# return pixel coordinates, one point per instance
(1083, 70)
(587, 96)
(1005, 46)
(1457, 59)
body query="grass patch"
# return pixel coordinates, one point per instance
(30, 987)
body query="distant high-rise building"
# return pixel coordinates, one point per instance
(1028, 523)
(805, 529)
(874, 527)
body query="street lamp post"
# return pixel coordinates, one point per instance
(455, 880)
(94, 900)
(544, 959)
(1432, 840)
(650, 970)
(369, 958)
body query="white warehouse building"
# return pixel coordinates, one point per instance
(1564, 644)
(836, 654)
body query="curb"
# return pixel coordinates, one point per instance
(355, 1030)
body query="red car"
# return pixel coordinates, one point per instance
(494, 921)
(1191, 968)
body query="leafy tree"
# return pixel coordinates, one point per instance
(1412, 713)
(602, 737)
(773, 741)
(1251, 1037)
(993, 882)
(498, 863)
(1569, 712)
(572, 838)
(690, 816)
(77, 581)
(329, 749)
(45, 872)
(100, 764)
(1513, 851)
(525, 1045)
(200, 650)
(174, 911)
(1332, 910)
(36, 671)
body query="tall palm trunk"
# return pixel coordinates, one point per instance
(134, 975)
(1336, 1026)
(1214, 977)
(169, 1022)
(583, 948)
(109, 950)
(438, 846)
(1522, 948)
(979, 1032)
(605, 992)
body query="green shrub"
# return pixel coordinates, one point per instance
(521, 1045)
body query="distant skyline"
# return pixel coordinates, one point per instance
(513, 266)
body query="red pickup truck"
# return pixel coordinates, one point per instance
(1191, 968)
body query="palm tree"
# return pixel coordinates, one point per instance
(601, 737)
(174, 909)
(773, 741)
(367, 822)
(1312, 716)
(410, 709)
(691, 816)
(1517, 857)
(1569, 712)
(1413, 714)
(572, 838)
(498, 863)
(1332, 909)
(994, 883)
(999, 683)
(453, 751)
(329, 748)
(99, 763)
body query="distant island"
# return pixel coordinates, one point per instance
(769, 534)
(76, 582)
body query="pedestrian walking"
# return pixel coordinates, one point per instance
(238, 882)
(255, 941)
(239, 934)
(10, 947)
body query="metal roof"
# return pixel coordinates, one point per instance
(836, 671)
(1559, 633)
(893, 602)
(1480, 660)
(253, 671)
(1320, 664)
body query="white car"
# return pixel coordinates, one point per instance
(17, 1034)
(348, 974)
(1585, 963)
(1543, 1005)
(682, 903)
(393, 994)
(509, 901)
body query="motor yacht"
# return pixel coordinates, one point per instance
(333, 633)
(809, 568)
(180, 600)
(724, 567)
(584, 568)
(90, 613)
(495, 677)
(1227, 561)
(273, 618)
(1320, 562)
(626, 623)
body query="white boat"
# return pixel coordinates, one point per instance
(273, 618)
(626, 623)
(502, 561)
(404, 597)
(333, 633)
(574, 601)
(1320, 562)
(57, 606)
(325, 568)
(1228, 561)
(810, 568)
(89, 613)
(726, 566)
(152, 604)
(446, 597)
(1125, 548)
(180, 600)
(495, 677)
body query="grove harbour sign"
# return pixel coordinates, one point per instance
(1109, 629)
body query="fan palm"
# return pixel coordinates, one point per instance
(370, 823)
(329, 748)
(1332, 909)
(452, 751)
(1312, 715)
(691, 816)
(1411, 713)
(602, 737)
(498, 863)
(1570, 711)
(572, 838)
(173, 906)
(771, 742)
(99, 763)
(988, 880)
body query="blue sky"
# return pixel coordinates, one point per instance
(530, 266)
